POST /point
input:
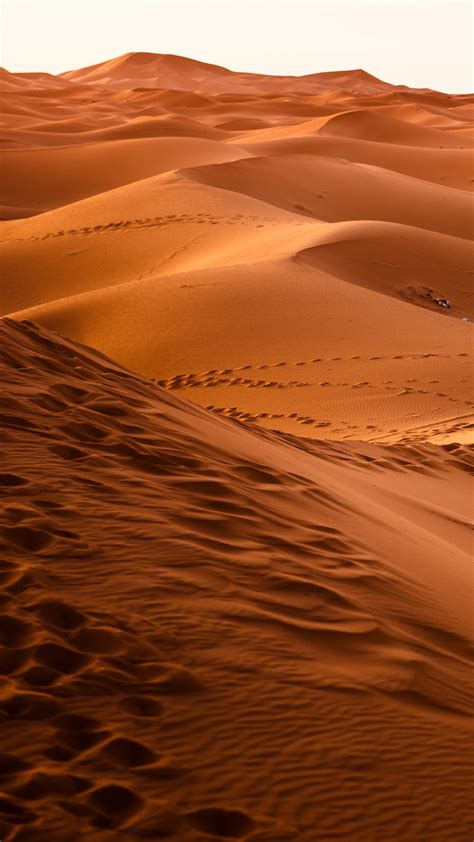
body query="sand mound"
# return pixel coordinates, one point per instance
(366, 125)
(449, 167)
(334, 190)
(241, 649)
(84, 170)
(153, 70)
(363, 252)
(153, 267)
(235, 562)
(288, 275)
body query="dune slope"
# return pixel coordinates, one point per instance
(270, 641)
(295, 252)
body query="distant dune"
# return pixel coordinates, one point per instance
(236, 563)
(219, 208)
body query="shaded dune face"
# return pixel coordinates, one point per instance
(292, 252)
(213, 631)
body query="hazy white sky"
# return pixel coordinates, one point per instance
(422, 43)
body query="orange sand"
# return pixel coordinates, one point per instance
(236, 583)
(216, 231)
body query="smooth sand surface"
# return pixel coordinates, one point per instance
(216, 231)
(236, 582)
(213, 631)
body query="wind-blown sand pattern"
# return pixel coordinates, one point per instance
(236, 562)
(185, 219)
(210, 630)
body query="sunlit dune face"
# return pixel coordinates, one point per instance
(236, 426)
(296, 252)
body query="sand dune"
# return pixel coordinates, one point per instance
(236, 578)
(449, 167)
(365, 372)
(334, 190)
(296, 242)
(384, 256)
(245, 652)
(176, 72)
(367, 125)
(52, 177)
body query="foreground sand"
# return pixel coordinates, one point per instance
(272, 248)
(214, 631)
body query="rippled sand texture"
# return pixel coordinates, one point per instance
(235, 558)
(210, 630)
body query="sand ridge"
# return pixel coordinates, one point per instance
(243, 623)
(220, 207)
(237, 426)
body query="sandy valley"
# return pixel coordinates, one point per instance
(236, 443)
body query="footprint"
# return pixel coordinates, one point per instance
(256, 474)
(27, 538)
(60, 754)
(75, 722)
(80, 741)
(12, 660)
(157, 826)
(39, 676)
(11, 765)
(98, 641)
(141, 706)
(49, 403)
(13, 631)
(15, 813)
(29, 706)
(230, 824)
(129, 753)
(116, 803)
(84, 432)
(72, 393)
(59, 614)
(12, 480)
(41, 785)
(60, 658)
(20, 584)
(67, 451)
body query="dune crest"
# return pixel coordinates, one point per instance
(295, 252)
(237, 431)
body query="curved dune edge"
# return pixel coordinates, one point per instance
(240, 650)
(84, 170)
(273, 248)
(235, 552)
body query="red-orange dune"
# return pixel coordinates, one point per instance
(236, 576)
(275, 248)
(212, 631)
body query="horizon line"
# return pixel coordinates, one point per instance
(230, 70)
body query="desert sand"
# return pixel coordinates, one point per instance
(236, 446)
(258, 243)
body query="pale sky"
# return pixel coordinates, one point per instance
(421, 43)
